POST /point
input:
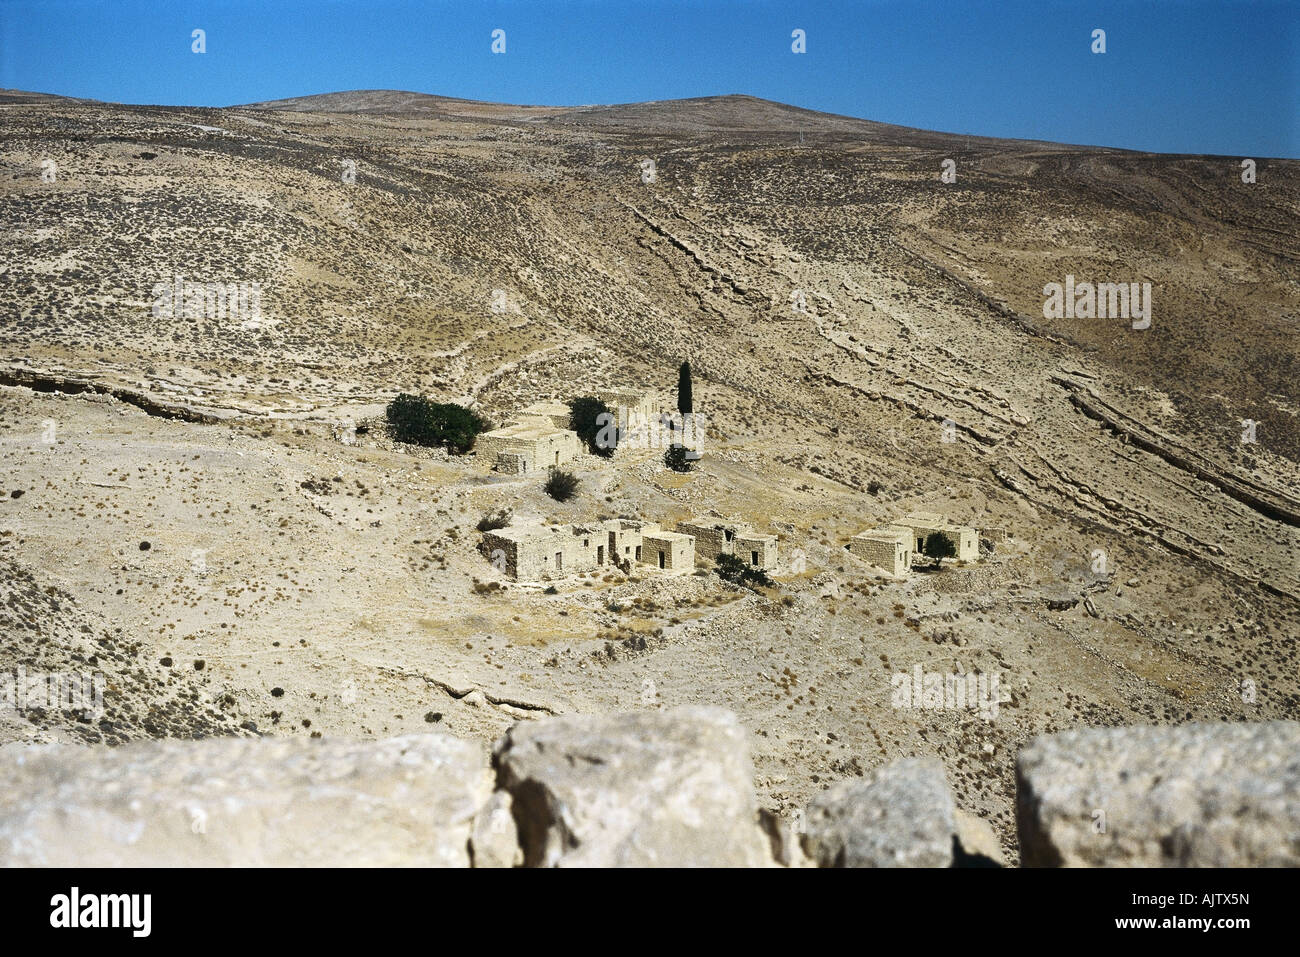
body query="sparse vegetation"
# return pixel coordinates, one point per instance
(678, 459)
(419, 421)
(494, 519)
(561, 485)
(732, 569)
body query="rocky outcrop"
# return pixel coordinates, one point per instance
(648, 789)
(901, 815)
(243, 803)
(1199, 795)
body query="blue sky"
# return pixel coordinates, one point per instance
(1186, 76)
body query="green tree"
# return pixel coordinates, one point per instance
(595, 424)
(732, 569)
(685, 403)
(420, 421)
(677, 458)
(938, 547)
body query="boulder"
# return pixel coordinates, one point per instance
(977, 845)
(899, 815)
(495, 840)
(1196, 795)
(646, 789)
(221, 802)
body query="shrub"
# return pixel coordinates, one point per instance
(561, 485)
(596, 424)
(490, 521)
(678, 458)
(732, 569)
(420, 421)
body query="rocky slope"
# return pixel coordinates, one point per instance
(867, 340)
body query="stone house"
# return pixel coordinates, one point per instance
(541, 436)
(534, 553)
(553, 411)
(532, 444)
(889, 547)
(631, 405)
(965, 540)
(670, 551)
(714, 537)
(544, 552)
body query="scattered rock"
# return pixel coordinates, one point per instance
(977, 845)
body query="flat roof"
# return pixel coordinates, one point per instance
(524, 533)
(668, 536)
(885, 533)
(527, 430)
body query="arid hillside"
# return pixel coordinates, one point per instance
(867, 340)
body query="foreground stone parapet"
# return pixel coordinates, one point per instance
(1197, 795)
(899, 815)
(647, 789)
(241, 802)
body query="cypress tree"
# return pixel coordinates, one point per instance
(684, 403)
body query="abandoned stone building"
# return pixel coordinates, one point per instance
(530, 444)
(555, 412)
(541, 436)
(714, 537)
(543, 552)
(631, 404)
(889, 547)
(965, 540)
(671, 551)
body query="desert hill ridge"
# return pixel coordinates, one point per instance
(735, 112)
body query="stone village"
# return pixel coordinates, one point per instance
(540, 437)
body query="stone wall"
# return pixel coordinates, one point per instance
(535, 443)
(964, 539)
(888, 548)
(547, 552)
(654, 788)
(711, 538)
(756, 550)
(714, 538)
(671, 551)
